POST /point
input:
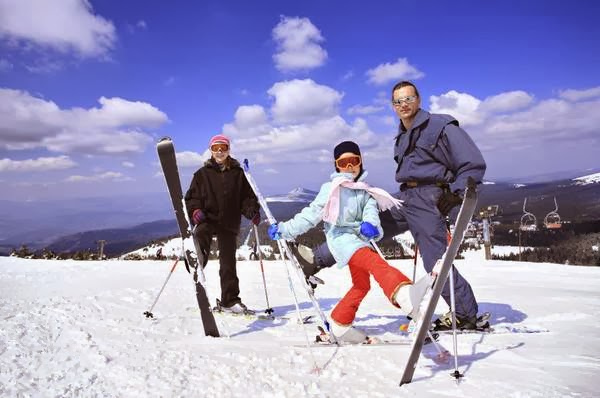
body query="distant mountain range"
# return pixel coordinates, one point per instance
(77, 225)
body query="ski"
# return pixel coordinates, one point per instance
(262, 317)
(285, 250)
(499, 329)
(464, 216)
(323, 339)
(168, 162)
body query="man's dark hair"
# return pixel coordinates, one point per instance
(405, 83)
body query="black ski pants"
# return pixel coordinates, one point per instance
(227, 244)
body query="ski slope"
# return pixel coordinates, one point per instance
(77, 329)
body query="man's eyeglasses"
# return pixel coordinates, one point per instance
(219, 147)
(343, 163)
(409, 99)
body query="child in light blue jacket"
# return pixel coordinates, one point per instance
(350, 210)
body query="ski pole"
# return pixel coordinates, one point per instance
(284, 250)
(456, 374)
(374, 244)
(149, 312)
(269, 310)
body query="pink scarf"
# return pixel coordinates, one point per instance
(331, 210)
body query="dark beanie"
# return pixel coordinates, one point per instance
(346, 146)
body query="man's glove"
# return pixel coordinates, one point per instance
(273, 232)
(256, 219)
(198, 216)
(448, 201)
(368, 230)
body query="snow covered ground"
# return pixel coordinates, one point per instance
(77, 329)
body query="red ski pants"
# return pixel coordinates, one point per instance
(364, 263)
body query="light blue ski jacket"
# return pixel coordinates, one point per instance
(343, 237)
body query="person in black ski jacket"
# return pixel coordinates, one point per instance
(218, 196)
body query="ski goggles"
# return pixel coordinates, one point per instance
(219, 147)
(343, 163)
(409, 99)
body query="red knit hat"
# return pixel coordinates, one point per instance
(219, 138)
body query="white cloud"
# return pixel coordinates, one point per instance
(387, 72)
(504, 125)
(470, 110)
(299, 101)
(115, 127)
(507, 102)
(462, 106)
(577, 95)
(141, 24)
(35, 165)
(250, 116)
(191, 159)
(364, 109)
(249, 120)
(550, 122)
(128, 164)
(303, 143)
(45, 66)
(514, 120)
(297, 45)
(107, 176)
(63, 25)
(301, 128)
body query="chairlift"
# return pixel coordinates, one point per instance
(528, 220)
(552, 219)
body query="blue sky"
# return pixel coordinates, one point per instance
(87, 88)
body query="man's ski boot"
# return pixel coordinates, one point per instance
(444, 322)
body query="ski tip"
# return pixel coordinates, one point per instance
(165, 138)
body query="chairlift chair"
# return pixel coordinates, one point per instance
(528, 220)
(552, 219)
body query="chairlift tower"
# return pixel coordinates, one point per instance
(486, 214)
(528, 224)
(101, 244)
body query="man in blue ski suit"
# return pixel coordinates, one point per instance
(434, 158)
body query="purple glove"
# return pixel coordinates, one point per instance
(256, 219)
(198, 216)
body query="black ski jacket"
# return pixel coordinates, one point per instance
(223, 195)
